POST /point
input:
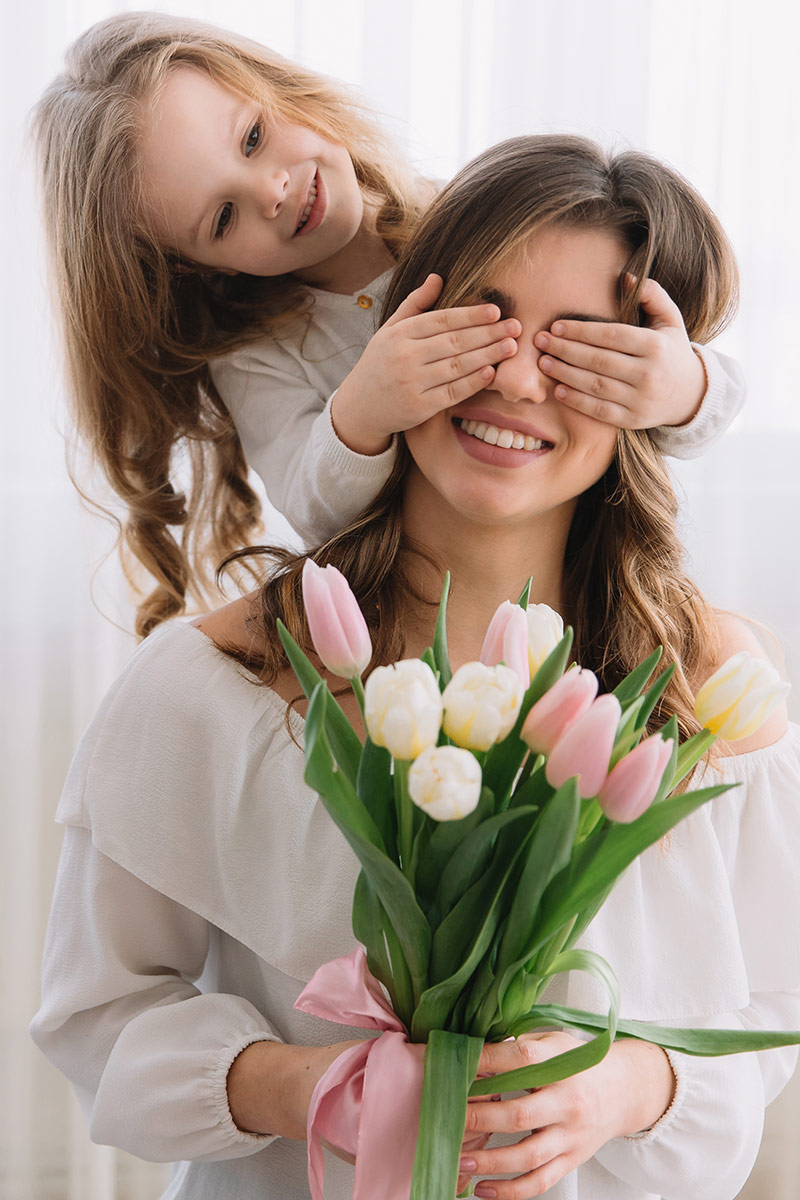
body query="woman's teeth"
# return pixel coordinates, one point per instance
(312, 195)
(508, 439)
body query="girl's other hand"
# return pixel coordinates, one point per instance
(568, 1121)
(417, 364)
(635, 377)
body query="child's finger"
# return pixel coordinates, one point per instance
(446, 347)
(443, 321)
(662, 311)
(591, 382)
(604, 335)
(460, 366)
(559, 355)
(418, 301)
(608, 411)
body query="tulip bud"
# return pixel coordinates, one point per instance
(545, 631)
(506, 640)
(739, 697)
(560, 706)
(634, 781)
(445, 782)
(585, 749)
(335, 622)
(481, 704)
(403, 707)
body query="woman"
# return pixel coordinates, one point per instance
(202, 883)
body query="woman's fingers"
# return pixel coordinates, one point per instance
(418, 301)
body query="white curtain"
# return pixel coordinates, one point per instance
(709, 85)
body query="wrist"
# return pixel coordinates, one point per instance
(697, 391)
(352, 430)
(651, 1084)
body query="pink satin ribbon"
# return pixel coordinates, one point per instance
(367, 1102)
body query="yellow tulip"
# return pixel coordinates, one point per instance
(739, 697)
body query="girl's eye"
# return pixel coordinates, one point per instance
(253, 138)
(224, 219)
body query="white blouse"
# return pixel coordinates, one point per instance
(202, 883)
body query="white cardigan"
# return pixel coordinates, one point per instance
(202, 883)
(278, 391)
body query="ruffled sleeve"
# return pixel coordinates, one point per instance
(706, 1144)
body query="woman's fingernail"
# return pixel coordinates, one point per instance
(542, 341)
(467, 1165)
(557, 329)
(485, 1189)
(546, 363)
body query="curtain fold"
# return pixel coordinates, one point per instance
(711, 87)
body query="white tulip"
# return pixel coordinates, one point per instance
(445, 782)
(403, 707)
(739, 697)
(545, 631)
(481, 704)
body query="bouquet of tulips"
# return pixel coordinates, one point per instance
(492, 810)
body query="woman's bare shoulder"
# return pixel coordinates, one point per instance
(735, 634)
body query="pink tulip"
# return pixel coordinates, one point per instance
(585, 749)
(336, 623)
(560, 706)
(634, 781)
(506, 640)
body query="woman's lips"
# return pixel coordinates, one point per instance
(317, 209)
(500, 455)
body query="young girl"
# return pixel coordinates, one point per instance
(202, 882)
(223, 224)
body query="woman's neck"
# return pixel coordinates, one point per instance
(487, 564)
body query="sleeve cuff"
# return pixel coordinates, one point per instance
(723, 399)
(367, 466)
(220, 1065)
(647, 1136)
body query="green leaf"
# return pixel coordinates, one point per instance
(606, 854)
(653, 695)
(451, 1063)
(440, 652)
(632, 684)
(444, 842)
(345, 742)
(691, 752)
(549, 850)
(473, 857)
(525, 594)
(390, 885)
(375, 791)
(707, 1043)
(580, 1057)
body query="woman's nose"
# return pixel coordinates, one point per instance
(519, 377)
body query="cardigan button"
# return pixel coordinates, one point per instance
(364, 301)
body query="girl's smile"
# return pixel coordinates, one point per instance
(230, 191)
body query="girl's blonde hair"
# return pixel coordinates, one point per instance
(624, 586)
(139, 327)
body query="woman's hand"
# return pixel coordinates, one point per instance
(270, 1085)
(418, 363)
(568, 1121)
(634, 377)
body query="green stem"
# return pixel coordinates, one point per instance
(405, 817)
(358, 691)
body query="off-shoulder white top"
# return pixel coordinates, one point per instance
(202, 883)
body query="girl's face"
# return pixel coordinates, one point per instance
(513, 453)
(230, 192)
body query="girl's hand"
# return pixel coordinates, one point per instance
(631, 376)
(568, 1121)
(417, 364)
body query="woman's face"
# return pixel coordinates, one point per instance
(513, 453)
